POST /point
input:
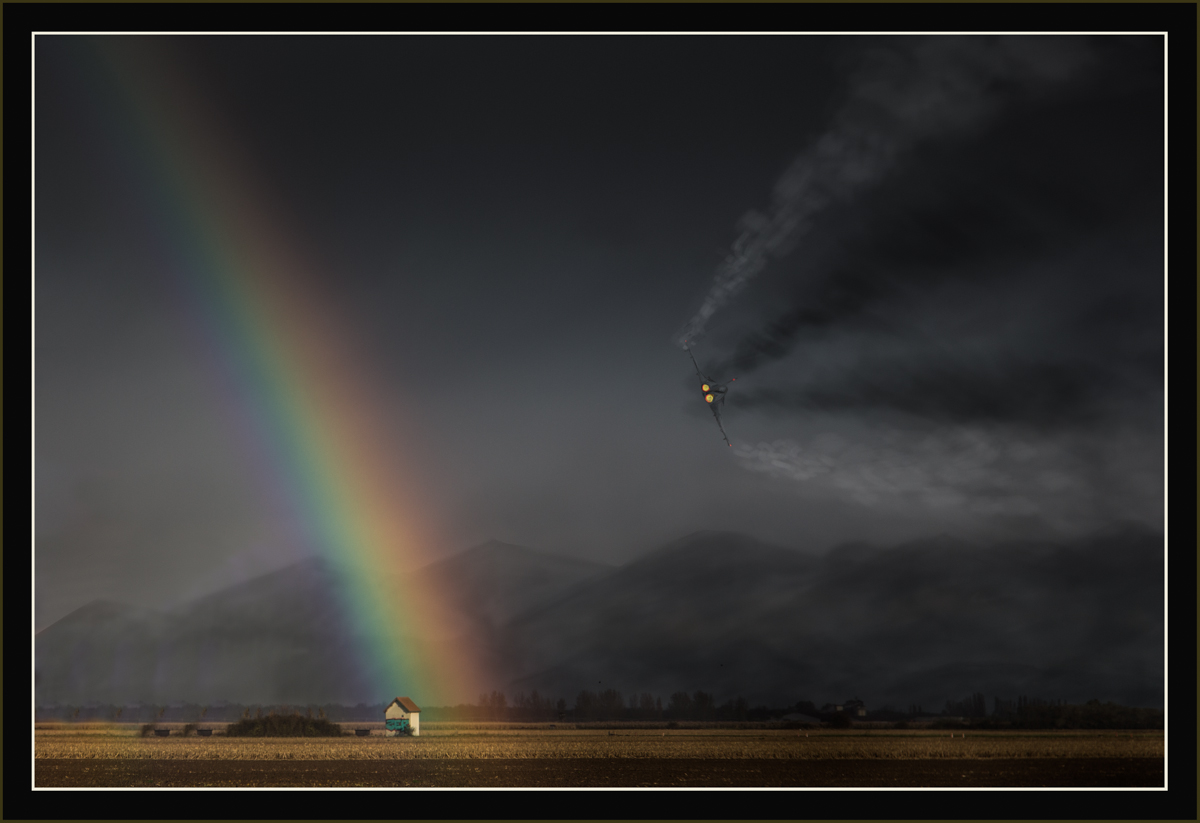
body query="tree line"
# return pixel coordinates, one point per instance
(603, 705)
(204, 713)
(613, 705)
(1036, 713)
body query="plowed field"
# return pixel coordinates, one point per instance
(552, 758)
(580, 772)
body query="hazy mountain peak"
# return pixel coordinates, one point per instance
(492, 546)
(97, 612)
(313, 573)
(717, 547)
(496, 580)
(497, 552)
(713, 610)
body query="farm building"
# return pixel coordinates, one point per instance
(403, 717)
(855, 707)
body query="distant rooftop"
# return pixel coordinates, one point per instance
(407, 704)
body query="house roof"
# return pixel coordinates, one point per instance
(407, 704)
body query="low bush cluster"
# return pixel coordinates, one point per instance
(283, 725)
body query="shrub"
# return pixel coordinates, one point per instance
(147, 729)
(188, 729)
(283, 725)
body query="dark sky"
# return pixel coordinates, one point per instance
(935, 266)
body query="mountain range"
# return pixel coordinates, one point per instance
(922, 622)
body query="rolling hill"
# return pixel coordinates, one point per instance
(922, 622)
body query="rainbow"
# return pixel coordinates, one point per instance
(299, 389)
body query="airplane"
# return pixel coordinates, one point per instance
(714, 393)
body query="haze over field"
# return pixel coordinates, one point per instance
(923, 622)
(315, 314)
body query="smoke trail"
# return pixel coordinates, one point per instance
(904, 92)
(1071, 481)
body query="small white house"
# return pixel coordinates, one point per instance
(403, 717)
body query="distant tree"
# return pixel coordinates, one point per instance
(498, 706)
(973, 706)
(703, 705)
(1004, 708)
(646, 705)
(586, 705)
(680, 706)
(610, 705)
(978, 705)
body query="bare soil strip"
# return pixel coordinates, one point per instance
(586, 745)
(1060, 772)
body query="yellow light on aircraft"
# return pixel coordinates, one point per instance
(708, 398)
(704, 387)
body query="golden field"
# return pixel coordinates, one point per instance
(465, 742)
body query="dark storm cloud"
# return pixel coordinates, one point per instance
(966, 338)
(1052, 394)
(509, 245)
(906, 91)
(1014, 276)
(991, 315)
(1002, 476)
